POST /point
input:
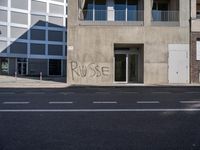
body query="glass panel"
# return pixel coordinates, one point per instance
(132, 10)
(100, 10)
(24, 69)
(88, 10)
(120, 10)
(54, 67)
(120, 67)
(4, 66)
(133, 68)
(19, 68)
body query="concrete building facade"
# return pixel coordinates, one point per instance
(33, 37)
(128, 41)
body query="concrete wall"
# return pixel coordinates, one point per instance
(91, 52)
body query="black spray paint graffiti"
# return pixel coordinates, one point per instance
(91, 70)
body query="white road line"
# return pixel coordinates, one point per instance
(66, 93)
(34, 93)
(189, 102)
(14, 103)
(60, 102)
(192, 92)
(99, 110)
(104, 102)
(161, 92)
(148, 102)
(102, 92)
(129, 92)
(7, 93)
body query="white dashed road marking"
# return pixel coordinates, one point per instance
(148, 102)
(7, 93)
(60, 102)
(189, 102)
(104, 102)
(129, 92)
(192, 92)
(102, 92)
(14, 103)
(66, 93)
(99, 110)
(161, 92)
(35, 93)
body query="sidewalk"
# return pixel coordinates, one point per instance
(31, 82)
(60, 82)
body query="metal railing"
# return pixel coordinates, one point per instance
(112, 15)
(167, 16)
(198, 14)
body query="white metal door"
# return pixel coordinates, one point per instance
(178, 66)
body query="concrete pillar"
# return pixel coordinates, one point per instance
(184, 13)
(193, 9)
(148, 12)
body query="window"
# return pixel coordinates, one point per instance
(20, 18)
(198, 10)
(3, 16)
(126, 10)
(37, 49)
(56, 50)
(38, 20)
(20, 33)
(55, 21)
(37, 34)
(37, 6)
(56, 9)
(3, 47)
(88, 10)
(55, 36)
(3, 31)
(54, 67)
(20, 4)
(95, 10)
(4, 3)
(165, 10)
(100, 10)
(120, 10)
(198, 49)
(18, 48)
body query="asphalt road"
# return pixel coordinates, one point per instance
(89, 118)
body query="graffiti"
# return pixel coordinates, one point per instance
(92, 70)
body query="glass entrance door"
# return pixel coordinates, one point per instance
(22, 66)
(120, 67)
(126, 68)
(133, 68)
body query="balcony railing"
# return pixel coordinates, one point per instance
(112, 15)
(168, 16)
(198, 14)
